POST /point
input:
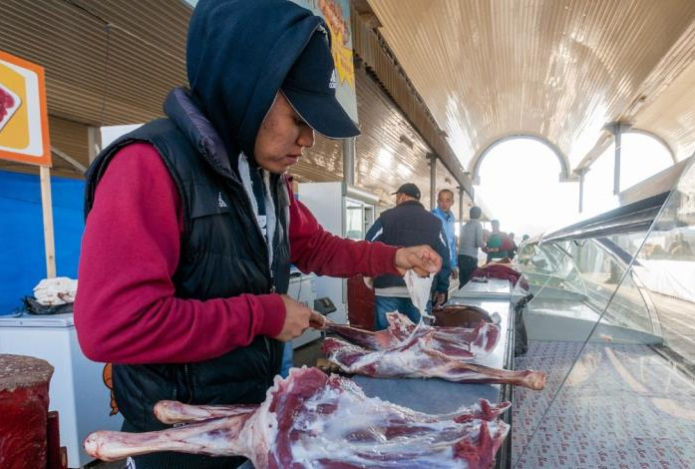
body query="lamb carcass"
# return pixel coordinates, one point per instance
(311, 420)
(455, 342)
(416, 357)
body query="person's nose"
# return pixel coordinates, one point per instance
(306, 137)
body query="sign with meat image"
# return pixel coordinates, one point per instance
(9, 103)
(23, 114)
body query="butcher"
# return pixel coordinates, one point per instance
(192, 224)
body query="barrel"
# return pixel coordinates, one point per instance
(24, 411)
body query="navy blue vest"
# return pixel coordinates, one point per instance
(223, 254)
(407, 224)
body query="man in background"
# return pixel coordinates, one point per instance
(499, 245)
(445, 200)
(471, 241)
(407, 224)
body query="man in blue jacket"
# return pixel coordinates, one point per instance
(407, 224)
(445, 200)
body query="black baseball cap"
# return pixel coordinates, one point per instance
(310, 88)
(409, 189)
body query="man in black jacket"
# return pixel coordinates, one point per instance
(407, 224)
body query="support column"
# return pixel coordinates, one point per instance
(348, 163)
(582, 173)
(617, 129)
(93, 142)
(461, 192)
(433, 180)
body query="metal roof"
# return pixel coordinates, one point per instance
(107, 62)
(558, 70)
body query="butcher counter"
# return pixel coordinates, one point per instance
(436, 396)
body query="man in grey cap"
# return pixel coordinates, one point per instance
(407, 224)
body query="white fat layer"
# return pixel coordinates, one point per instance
(411, 363)
(454, 336)
(356, 428)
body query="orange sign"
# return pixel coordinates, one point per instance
(23, 114)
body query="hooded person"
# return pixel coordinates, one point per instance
(191, 223)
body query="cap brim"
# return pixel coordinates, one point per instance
(324, 114)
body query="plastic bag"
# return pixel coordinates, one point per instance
(32, 306)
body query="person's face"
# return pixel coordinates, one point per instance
(445, 201)
(282, 138)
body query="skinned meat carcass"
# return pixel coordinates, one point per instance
(416, 357)
(311, 420)
(455, 342)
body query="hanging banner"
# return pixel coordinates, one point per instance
(23, 114)
(336, 14)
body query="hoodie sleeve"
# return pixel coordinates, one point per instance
(126, 310)
(316, 250)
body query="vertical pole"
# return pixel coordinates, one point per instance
(617, 132)
(348, 163)
(582, 172)
(47, 207)
(94, 142)
(461, 191)
(433, 180)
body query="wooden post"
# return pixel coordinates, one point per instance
(47, 207)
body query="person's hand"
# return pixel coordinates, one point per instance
(439, 298)
(297, 319)
(318, 321)
(422, 259)
(454, 273)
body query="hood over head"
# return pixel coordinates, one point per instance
(238, 55)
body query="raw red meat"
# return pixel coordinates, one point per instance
(310, 420)
(455, 342)
(419, 356)
(24, 383)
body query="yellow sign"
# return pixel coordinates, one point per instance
(23, 114)
(334, 16)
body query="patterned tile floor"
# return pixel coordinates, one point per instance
(623, 406)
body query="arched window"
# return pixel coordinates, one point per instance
(641, 157)
(520, 184)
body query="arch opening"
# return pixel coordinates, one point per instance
(565, 173)
(520, 185)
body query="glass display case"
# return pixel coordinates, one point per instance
(612, 322)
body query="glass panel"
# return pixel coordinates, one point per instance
(626, 396)
(354, 220)
(666, 269)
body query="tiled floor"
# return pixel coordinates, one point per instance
(623, 406)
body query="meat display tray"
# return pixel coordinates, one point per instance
(436, 396)
(431, 396)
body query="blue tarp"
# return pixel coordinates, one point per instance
(22, 253)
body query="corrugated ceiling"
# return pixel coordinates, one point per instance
(556, 69)
(107, 62)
